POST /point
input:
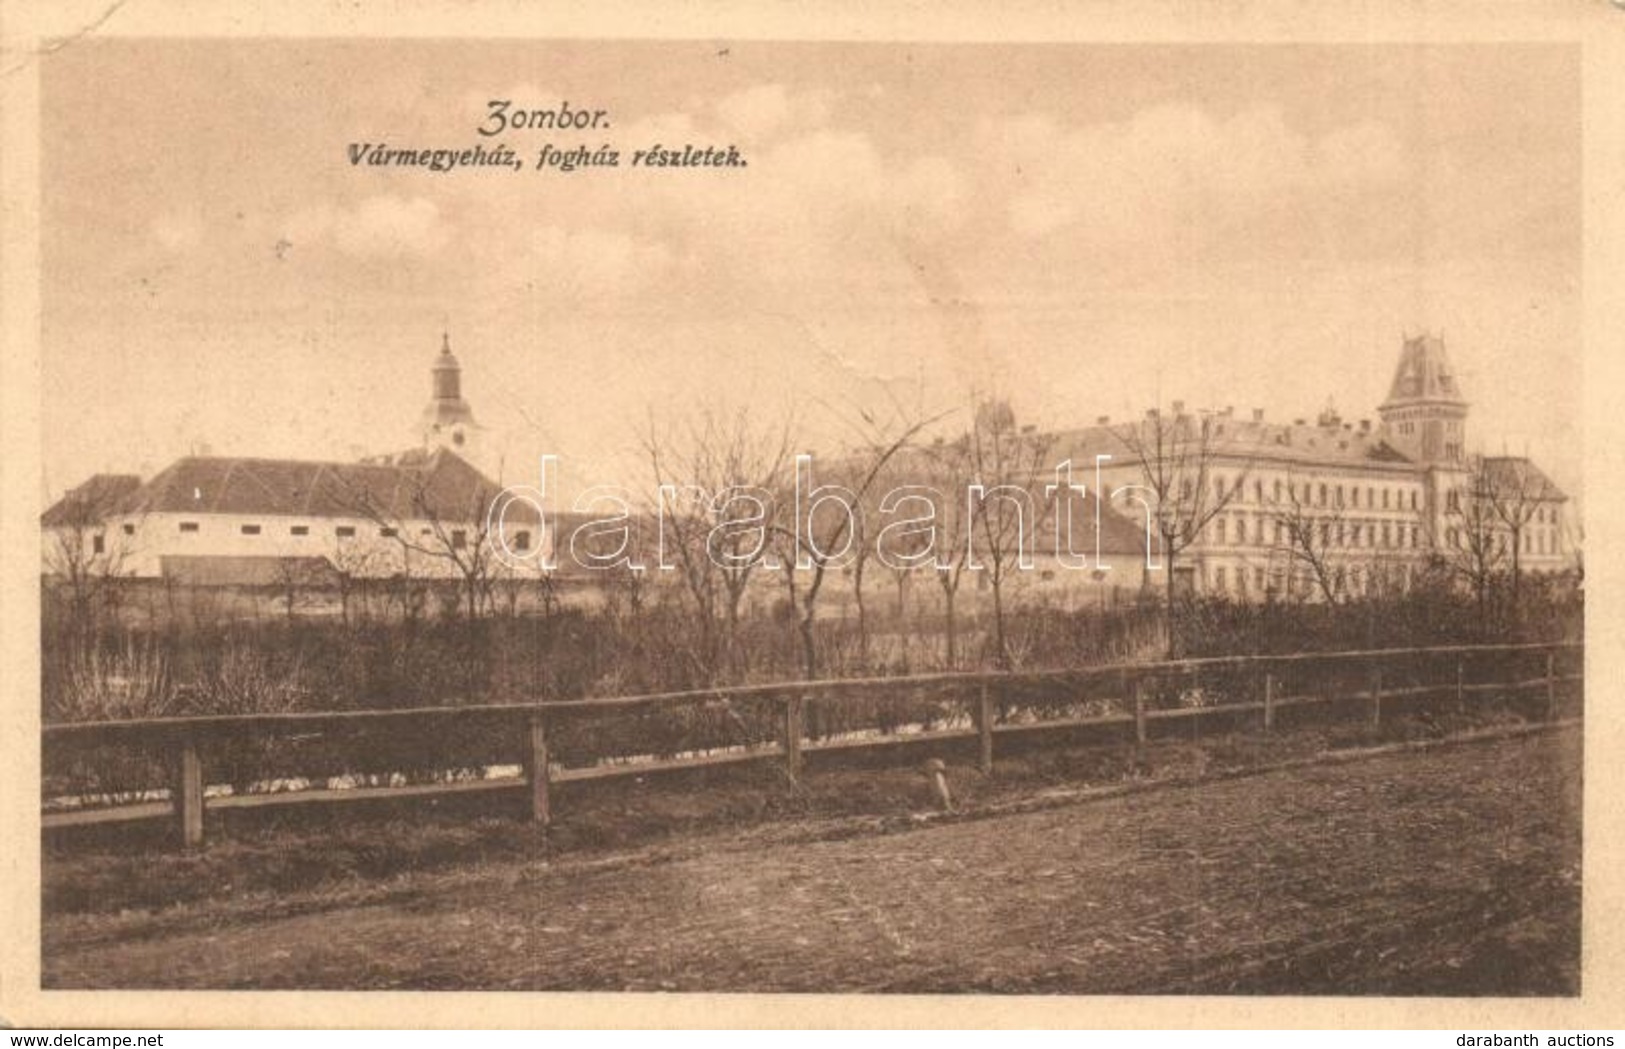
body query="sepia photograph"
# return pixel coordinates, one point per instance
(870, 517)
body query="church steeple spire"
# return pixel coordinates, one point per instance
(448, 421)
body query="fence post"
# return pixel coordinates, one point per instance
(1551, 686)
(541, 806)
(1376, 697)
(189, 793)
(1139, 710)
(792, 737)
(1269, 702)
(984, 729)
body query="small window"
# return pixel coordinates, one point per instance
(98, 544)
(521, 540)
(459, 539)
(345, 531)
(188, 526)
(251, 529)
(387, 533)
(299, 530)
(129, 529)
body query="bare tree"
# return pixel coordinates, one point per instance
(1311, 539)
(1178, 456)
(1475, 547)
(813, 546)
(1009, 466)
(447, 526)
(85, 555)
(1513, 489)
(719, 483)
(948, 467)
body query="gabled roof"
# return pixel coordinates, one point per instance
(1231, 437)
(94, 500)
(1423, 374)
(1510, 472)
(411, 486)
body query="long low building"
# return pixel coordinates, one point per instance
(251, 521)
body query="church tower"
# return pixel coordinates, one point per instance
(1425, 415)
(448, 422)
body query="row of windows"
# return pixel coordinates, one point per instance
(519, 541)
(1535, 541)
(1330, 533)
(1456, 497)
(1312, 494)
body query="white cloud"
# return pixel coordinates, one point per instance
(585, 265)
(1177, 170)
(379, 226)
(761, 112)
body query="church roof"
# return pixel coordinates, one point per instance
(411, 486)
(1423, 374)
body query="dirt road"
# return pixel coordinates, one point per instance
(1445, 871)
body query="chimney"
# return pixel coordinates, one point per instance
(1103, 420)
(1179, 407)
(1151, 413)
(1258, 415)
(1229, 410)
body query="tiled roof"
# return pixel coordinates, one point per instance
(441, 485)
(1332, 443)
(1510, 472)
(101, 495)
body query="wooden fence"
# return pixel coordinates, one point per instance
(1142, 696)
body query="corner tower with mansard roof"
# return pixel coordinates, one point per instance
(448, 421)
(1425, 415)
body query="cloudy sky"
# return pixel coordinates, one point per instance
(1082, 229)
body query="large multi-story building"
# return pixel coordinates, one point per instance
(1334, 506)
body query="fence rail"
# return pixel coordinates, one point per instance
(1140, 695)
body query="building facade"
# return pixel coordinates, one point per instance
(1330, 508)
